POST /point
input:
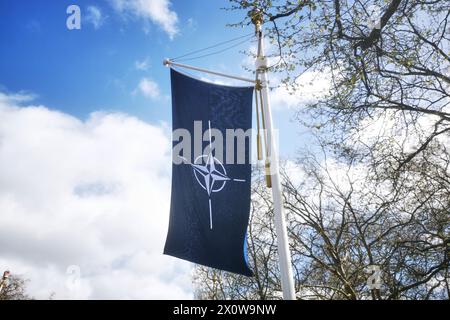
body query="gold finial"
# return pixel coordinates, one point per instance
(256, 15)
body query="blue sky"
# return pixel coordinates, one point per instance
(95, 68)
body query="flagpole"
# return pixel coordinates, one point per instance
(287, 279)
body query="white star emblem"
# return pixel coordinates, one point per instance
(211, 175)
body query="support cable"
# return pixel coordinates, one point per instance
(212, 47)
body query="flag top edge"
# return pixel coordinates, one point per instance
(208, 82)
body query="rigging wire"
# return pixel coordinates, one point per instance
(213, 46)
(215, 52)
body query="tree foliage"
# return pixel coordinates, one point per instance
(376, 189)
(15, 289)
(338, 226)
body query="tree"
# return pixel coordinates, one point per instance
(344, 222)
(338, 227)
(15, 289)
(387, 61)
(377, 189)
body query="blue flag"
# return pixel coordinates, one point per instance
(210, 202)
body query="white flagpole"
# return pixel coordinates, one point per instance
(287, 279)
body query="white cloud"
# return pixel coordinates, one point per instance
(95, 17)
(157, 11)
(310, 86)
(192, 24)
(143, 65)
(148, 88)
(15, 98)
(91, 193)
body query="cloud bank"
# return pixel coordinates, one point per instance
(94, 194)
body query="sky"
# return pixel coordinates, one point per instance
(85, 140)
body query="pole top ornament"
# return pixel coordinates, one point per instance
(256, 15)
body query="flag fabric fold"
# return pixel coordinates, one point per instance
(210, 201)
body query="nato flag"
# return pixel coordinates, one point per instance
(210, 202)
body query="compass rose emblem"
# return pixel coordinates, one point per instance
(211, 175)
